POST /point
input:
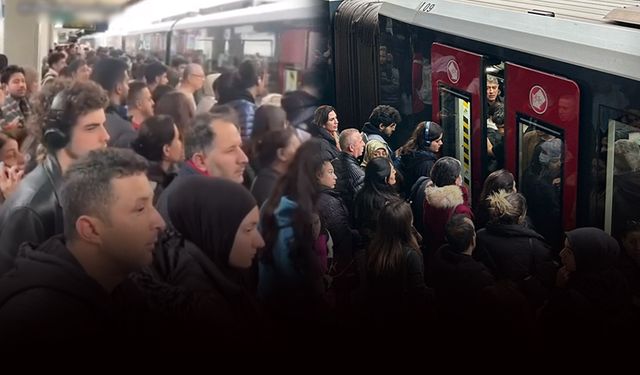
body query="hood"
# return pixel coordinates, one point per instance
(284, 212)
(593, 249)
(513, 230)
(449, 196)
(369, 128)
(52, 266)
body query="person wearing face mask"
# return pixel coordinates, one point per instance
(198, 271)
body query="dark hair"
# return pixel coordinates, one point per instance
(200, 136)
(177, 61)
(10, 71)
(459, 232)
(418, 141)
(108, 72)
(155, 132)
(266, 149)
(507, 208)
(247, 75)
(321, 115)
(376, 190)
(501, 179)
(394, 234)
(87, 184)
(385, 115)
(630, 226)
(446, 171)
(498, 114)
(4, 138)
(160, 91)
(225, 87)
(135, 89)
(54, 58)
(82, 98)
(74, 67)
(300, 184)
(153, 71)
(268, 118)
(3, 61)
(178, 106)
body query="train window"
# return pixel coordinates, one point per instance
(540, 168)
(455, 115)
(495, 117)
(622, 148)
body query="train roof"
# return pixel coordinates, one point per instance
(577, 34)
(278, 11)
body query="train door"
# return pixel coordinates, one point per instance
(542, 125)
(457, 101)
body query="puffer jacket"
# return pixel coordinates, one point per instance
(246, 109)
(335, 218)
(350, 178)
(415, 165)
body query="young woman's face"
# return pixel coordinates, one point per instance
(392, 177)
(380, 153)
(435, 145)
(247, 241)
(327, 177)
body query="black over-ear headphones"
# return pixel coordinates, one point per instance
(54, 138)
(427, 126)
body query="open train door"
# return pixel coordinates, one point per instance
(541, 150)
(457, 78)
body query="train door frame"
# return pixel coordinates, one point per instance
(459, 71)
(536, 95)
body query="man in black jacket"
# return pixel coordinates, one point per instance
(346, 166)
(73, 118)
(72, 290)
(112, 75)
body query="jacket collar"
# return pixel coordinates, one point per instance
(54, 175)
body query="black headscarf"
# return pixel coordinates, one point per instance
(593, 249)
(208, 211)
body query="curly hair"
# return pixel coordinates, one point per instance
(83, 97)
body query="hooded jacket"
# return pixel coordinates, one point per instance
(32, 213)
(373, 133)
(244, 105)
(440, 204)
(48, 297)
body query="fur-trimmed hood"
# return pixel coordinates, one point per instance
(449, 196)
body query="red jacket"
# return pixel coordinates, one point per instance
(440, 204)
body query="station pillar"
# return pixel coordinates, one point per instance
(27, 35)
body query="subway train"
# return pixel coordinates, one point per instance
(566, 72)
(223, 36)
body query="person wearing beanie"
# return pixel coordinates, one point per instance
(418, 155)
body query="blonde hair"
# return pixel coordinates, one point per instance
(507, 207)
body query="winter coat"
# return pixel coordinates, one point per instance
(32, 213)
(245, 107)
(300, 107)
(50, 299)
(350, 179)
(335, 218)
(280, 279)
(515, 252)
(328, 145)
(372, 133)
(415, 165)
(440, 204)
(458, 281)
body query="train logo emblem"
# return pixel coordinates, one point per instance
(453, 71)
(538, 100)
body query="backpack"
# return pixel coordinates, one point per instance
(416, 200)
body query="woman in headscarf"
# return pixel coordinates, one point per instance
(591, 296)
(205, 262)
(374, 149)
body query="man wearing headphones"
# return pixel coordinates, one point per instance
(72, 117)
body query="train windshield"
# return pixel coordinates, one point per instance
(540, 169)
(455, 115)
